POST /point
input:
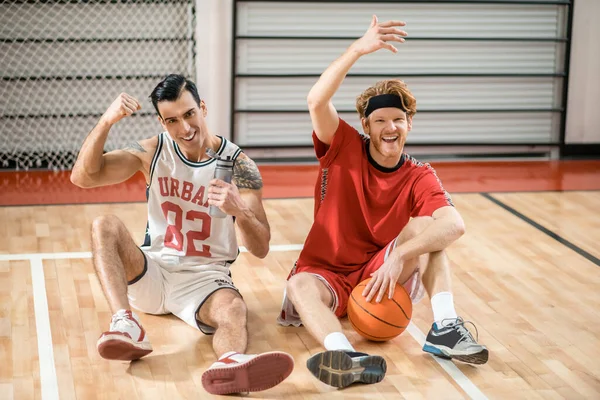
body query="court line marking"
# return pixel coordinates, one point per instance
(543, 229)
(46, 355)
(48, 379)
(451, 369)
(87, 254)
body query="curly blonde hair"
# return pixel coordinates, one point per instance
(389, 86)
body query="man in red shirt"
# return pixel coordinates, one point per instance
(378, 213)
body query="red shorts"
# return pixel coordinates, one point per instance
(341, 285)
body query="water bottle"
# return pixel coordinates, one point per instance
(224, 172)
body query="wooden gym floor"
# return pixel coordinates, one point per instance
(527, 273)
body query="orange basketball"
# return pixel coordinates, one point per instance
(379, 321)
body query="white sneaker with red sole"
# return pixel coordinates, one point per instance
(242, 373)
(126, 340)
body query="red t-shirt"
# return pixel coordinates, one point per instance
(360, 206)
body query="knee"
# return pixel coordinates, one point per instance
(234, 312)
(304, 286)
(297, 284)
(106, 227)
(414, 227)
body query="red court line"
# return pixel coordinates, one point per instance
(288, 181)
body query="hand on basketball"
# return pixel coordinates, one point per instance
(122, 107)
(384, 279)
(226, 196)
(378, 35)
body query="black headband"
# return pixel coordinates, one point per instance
(384, 101)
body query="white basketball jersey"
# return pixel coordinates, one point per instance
(180, 230)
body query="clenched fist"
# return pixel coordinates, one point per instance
(122, 107)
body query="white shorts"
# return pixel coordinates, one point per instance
(158, 291)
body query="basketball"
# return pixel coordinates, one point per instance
(379, 321)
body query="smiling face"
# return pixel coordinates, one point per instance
(388, 129)
(388, 126)
(184, 119)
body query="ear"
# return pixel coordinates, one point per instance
(409, 122)
(365, 125)
(203, 108)
(162, 122)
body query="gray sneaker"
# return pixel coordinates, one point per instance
(454, 341)
(343, 368)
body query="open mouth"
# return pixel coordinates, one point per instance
(190, 137)
(389, 139)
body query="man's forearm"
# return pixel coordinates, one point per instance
(330, 80)
(89, 159)
(440, 234)
(256, 235)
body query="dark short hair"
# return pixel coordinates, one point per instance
(171, 88)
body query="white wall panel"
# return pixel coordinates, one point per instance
(295, 129)
(280, 56)
(445, 39)
(423, 20)
(431, 93)
(583, 117)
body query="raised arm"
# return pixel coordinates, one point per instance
(243, 200)
(322, 112)
(93, 168)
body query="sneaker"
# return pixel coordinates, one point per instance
(454, 341)
(343, 368)
(126, 339)
(243, 373)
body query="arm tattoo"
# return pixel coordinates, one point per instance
(246, 174)
(135, 146)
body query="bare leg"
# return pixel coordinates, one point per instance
(412, 229)
(237, 373)
(117, 259)
(435, 270)
(313, 301)
(436, 278)
(226, 311)
(434, 267)
(455, 341)
(340, 365)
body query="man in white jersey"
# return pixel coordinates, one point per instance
(183, 266)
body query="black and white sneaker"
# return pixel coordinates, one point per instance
(343, 368)
(454, 341)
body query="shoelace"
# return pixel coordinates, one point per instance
(121, 318)
(459, 325)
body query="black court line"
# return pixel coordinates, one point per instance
(543, 229)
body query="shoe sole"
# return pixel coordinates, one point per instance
(118, 347)
(481, 357)
(260, 373)
(338, 369)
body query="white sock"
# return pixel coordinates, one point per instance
(337, 341)
(442, 305)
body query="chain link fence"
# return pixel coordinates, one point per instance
(63, 62)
